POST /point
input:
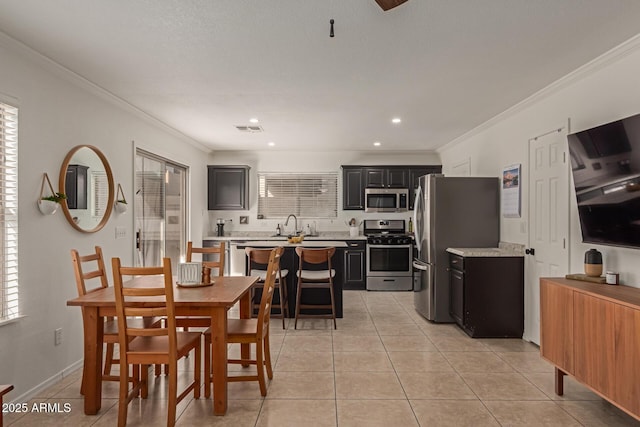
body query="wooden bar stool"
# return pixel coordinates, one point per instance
(260, 258)
(315, 279)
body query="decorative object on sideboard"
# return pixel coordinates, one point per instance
(48, 205)
(121, 202)
(612, 278)
(593, 263)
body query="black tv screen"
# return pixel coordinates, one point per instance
(605, 163)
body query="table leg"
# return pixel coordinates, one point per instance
(219, 359)
(245, 313)
(559, 381)
(93, 335)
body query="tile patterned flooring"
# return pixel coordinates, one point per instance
(384, 366)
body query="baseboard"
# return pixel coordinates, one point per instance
(25, 397)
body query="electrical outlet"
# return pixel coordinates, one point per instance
(121, 232)
(57, 336)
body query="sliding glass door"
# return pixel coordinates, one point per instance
(161, 209)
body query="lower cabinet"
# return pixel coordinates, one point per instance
(355, 273)
(487, 295)
(590, 331)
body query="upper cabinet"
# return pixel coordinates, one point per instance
(356, 178)
(228, 187)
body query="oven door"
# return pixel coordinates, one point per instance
(389, 260)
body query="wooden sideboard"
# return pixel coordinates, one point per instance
(592, 332)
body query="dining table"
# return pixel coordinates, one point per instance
(214, 301)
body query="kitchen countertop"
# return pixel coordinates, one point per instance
(504, 249)
(269, 236)
(305, 243)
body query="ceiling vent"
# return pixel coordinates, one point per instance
(251, 129)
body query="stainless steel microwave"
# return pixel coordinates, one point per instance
(386, 199)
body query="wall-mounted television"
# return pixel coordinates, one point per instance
(605, 162)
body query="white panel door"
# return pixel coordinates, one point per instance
(548, 221)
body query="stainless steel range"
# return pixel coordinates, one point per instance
(389, 255)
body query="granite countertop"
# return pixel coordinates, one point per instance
(269, 236)
(504, 249)
(305, 243)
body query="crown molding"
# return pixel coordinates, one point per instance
(615, 54)
(78, 80)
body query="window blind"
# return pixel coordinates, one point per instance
(9, 307)
(99, 193)
(308, 195)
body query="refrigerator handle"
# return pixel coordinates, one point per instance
(416, 223)
(420, 266)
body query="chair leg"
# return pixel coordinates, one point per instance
(123, 397)
(84, 365)
(298, 292)
(173, 395)
(333, 306)
(267, 356)
(108, 359)
(196, 372)
(207, 366)
(260, 366)
(144, 380)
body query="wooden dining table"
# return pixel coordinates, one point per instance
(214, 301)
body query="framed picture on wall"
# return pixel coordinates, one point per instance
(510, 196)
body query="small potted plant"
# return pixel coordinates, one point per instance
(121, 203)
(48, 205)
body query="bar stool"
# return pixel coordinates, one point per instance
(315, 279)
(258, 261)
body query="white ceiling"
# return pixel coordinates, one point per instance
(205, 66)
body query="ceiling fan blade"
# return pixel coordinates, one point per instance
(389, 4)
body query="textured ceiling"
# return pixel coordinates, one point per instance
(203, 66)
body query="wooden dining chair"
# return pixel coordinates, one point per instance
(258, 261)
(250, 331)
(187, 322)
(89, 269)
(309, 277)
(146, 346)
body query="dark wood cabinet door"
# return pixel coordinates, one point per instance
(397, 178)
(375, 177)
(414, 175)
(456, 295)
(352, 188)
(76, 185)
(354, 271)
(228, 187)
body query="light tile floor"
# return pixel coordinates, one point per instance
(384, 366)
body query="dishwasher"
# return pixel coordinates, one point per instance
(236, 258)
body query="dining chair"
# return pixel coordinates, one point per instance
(4, 389)
(250, 331)
(310, 277)
(89, 269)
(258, 261)
(187, 322)
(146, 346)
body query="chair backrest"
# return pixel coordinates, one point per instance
(315, 256)
(129, 308)
(219, 250)
(264, 313)
(92, 262)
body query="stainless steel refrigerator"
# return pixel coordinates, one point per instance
(450, 212)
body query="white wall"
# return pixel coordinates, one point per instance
(605, 90)
(307, 161)
(57, 112)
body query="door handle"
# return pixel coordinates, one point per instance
(138, 239)
(530, 251)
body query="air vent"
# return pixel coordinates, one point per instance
(252, 129)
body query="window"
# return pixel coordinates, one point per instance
(308, 195)
(9, 307)
(99, 193)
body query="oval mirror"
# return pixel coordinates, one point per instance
(87, 181)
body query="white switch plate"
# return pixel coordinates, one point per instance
(57, 336)
(121, 232)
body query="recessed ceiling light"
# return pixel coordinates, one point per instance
(377, 143)
(271, 143)
(396, 120)
(254, 120)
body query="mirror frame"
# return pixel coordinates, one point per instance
(62, 181)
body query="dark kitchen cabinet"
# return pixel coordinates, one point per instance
(75, 186)
(356, 178)
(355, 274)
(487, 295)
(228, 187)
(352, 188)
(387, 177)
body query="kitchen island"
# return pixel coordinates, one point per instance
(237, 242)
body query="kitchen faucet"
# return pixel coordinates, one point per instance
(295, 225)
